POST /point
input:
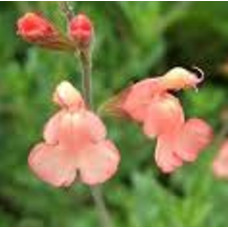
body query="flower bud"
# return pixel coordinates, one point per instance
(81, 30)
(36, 29)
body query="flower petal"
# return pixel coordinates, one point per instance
(164, 115)
(195, 135)
(94, 125)
(74, 130)
(165, 156)
(86, 128)
(52, 165)
(51, 129)
(139, 96)
(98, 162)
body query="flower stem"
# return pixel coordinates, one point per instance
(86, 69)
(66, 9)
(104, 215)
(86, 65)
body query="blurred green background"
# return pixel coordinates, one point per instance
(134, 40)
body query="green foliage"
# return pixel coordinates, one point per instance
(133, 40)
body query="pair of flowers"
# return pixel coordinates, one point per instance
(75, 138)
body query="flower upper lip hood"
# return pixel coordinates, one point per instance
(66, 96)
(75, 145)
(180, 78)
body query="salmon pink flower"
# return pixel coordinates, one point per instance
(81, 30)
(36, 29)
(220, 163)
(75, 144)
(150, 103)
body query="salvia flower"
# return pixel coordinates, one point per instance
(220, 163)
(75, 145)
(36, 29)
(81, 30)
(150, 103)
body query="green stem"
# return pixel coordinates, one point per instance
(86, 70)
(86, 65)
(103, 212)
(96, 191)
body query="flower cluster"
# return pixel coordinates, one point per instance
(75, 144)
(150, 103)
(36, 29)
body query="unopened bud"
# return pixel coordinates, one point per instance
(81, 30)
(36, 29)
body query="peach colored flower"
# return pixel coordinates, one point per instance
(75, 144)
(220, 163)
(36, 29)
(150, 103)
(81, 30)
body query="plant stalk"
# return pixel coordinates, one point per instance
(86, 70)
(86, 65)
